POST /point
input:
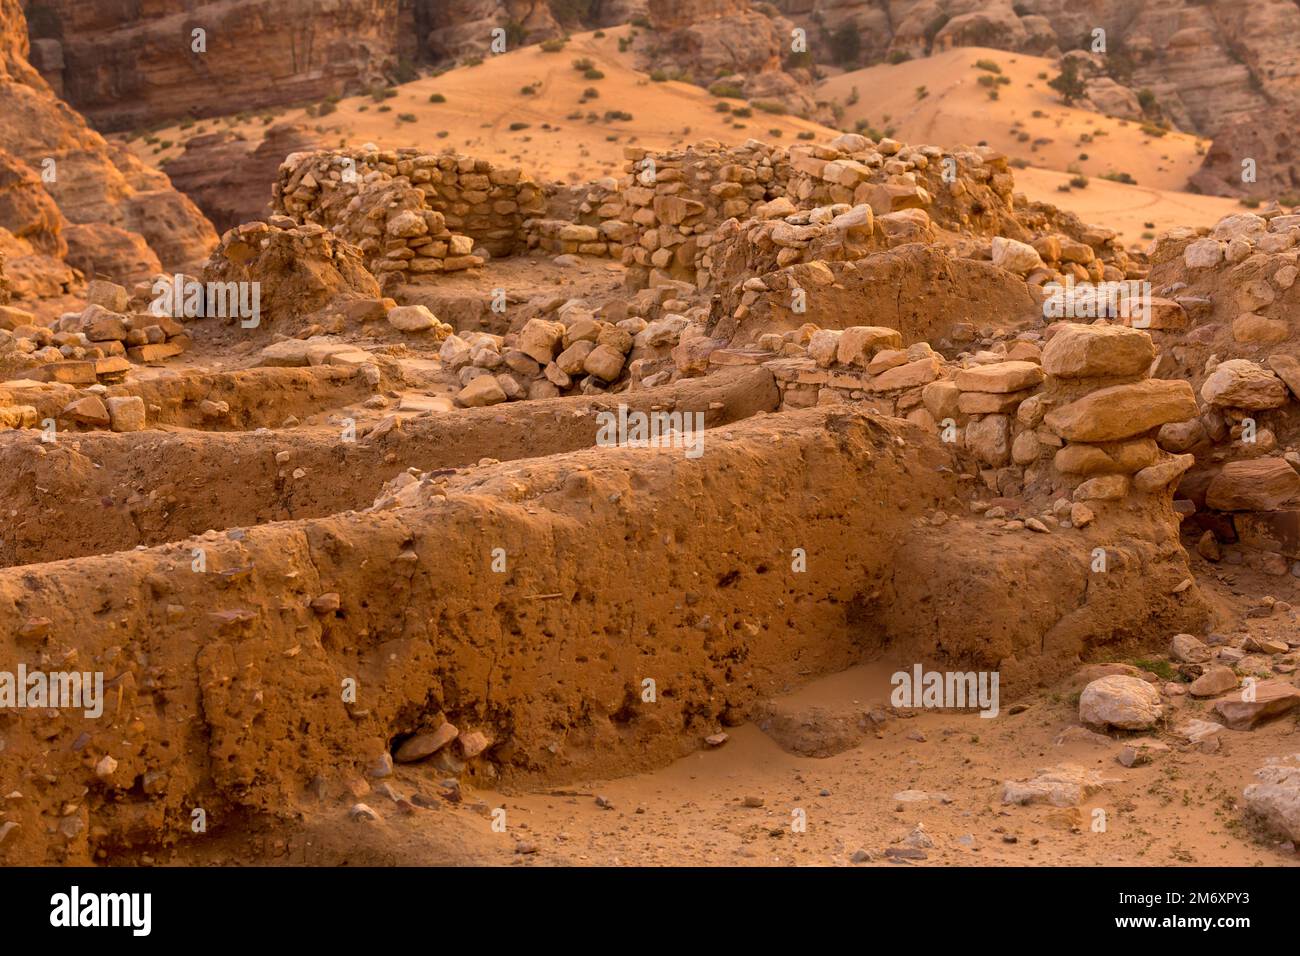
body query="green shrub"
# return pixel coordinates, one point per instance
(437, 98)
(989, 65)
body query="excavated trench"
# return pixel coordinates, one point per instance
(530, 601)
(101, 492)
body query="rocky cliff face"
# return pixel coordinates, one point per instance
(126, 64)
(68, 197)
(122, 67)
(456, 28)
(229, 179)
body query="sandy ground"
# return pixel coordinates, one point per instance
(957, 109)
(1137, 213)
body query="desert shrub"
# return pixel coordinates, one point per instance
(989, 65)
(1069, 83)
(846, 44)
(437, 98)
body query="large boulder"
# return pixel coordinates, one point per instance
(1258, 484)
(1240, 383)
(1120, 701)
(1275, 800)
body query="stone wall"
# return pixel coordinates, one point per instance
(411, 213)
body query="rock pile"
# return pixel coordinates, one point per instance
(98, 344)
(574, 353)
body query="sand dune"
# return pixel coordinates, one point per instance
(1026, 121)
(484, 101)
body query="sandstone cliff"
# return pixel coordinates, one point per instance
(57, 171)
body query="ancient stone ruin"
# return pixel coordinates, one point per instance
(436, 491)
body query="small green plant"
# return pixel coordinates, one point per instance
(517, 126)
(437, 98)
(590, 93)
(1069, 83)
(583, 64)
(899, 56)
(593, 74)
(806, 134)
(922, 92)
(612, 115)
(989, 65)
(384, 109)
(769, 106)
(1120, 178)
(553, 45)
(1079, 182)
(728, 90)
(1162, 669)
(406, 117)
